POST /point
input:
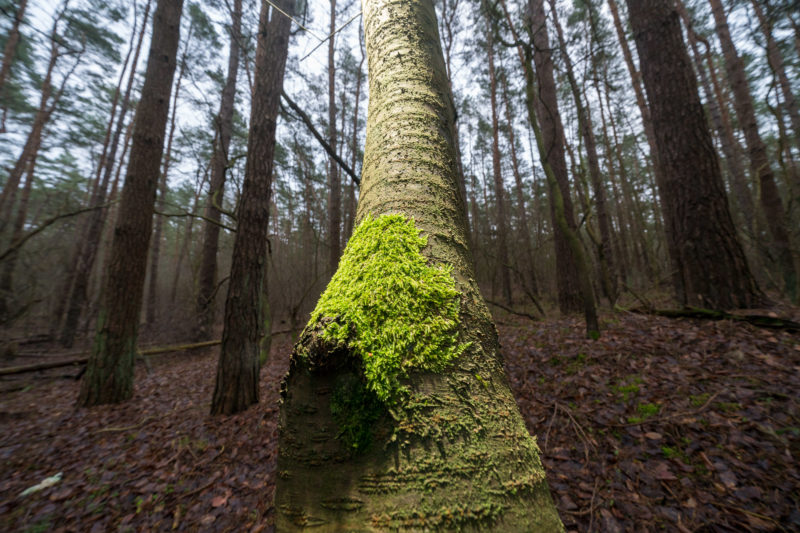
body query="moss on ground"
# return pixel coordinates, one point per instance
(392, 310)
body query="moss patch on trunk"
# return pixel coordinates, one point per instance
(389, 307)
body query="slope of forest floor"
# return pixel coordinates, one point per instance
(660, 425)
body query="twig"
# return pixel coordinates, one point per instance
(512, 311)
(322, 41)
(310, 125)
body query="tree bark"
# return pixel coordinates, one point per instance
(246, 306)
(636, 80)
(711, 262)
(718, 111)
(430, 449)
(760, 167)
(216, 191)
(109, 374)
(546, 107)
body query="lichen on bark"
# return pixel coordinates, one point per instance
(389, 307)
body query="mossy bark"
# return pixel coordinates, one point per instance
(451, 451)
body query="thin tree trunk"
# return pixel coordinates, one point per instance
(9, 52)
(546, 109)
(109, 373)
(775, 59)
(499, 187)
(760, 167)
(334, 179)
(246, 306)
(711, 261)
(525, 231)
(365, 454)
(216, 191)
(351, 200)
(89, 240)
(163, 186)
(608, 275)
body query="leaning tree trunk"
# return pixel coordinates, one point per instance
(760, 167)
(109, 373)
(246, 312)
(711, 262)
(396, 404)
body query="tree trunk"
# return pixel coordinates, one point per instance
(711, 262)
(334, 179)
(759, 160)
(109, 373)
(525, 231)
(605, 257)
(636, 81)
(89, 238)
(216, 191)
(410, 452)
(9, 52)
(546, 108)
(246, 306)
(718, 111)
(775, 59)
(499, 187)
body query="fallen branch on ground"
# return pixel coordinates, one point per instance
(761, 321)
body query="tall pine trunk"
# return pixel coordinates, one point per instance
(216, 191)
(9, 52)
(109, 372)
(334, 178)
(398, 421)
(497, 173)
(246, 306)
(760, 166)
(546, 108)
(711, 262)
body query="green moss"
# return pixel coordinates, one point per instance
(389, 307)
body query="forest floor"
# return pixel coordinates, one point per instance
(662, 424)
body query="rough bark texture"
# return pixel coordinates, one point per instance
(720, 117)
(216, 190)
(497, 174)
(453, 453)
(109, 373)
(246, 312)
(569, 294)
(711, 263)
(760, 167)
(636, 80)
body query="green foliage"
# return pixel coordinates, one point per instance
(645, 410)
(390, 307)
